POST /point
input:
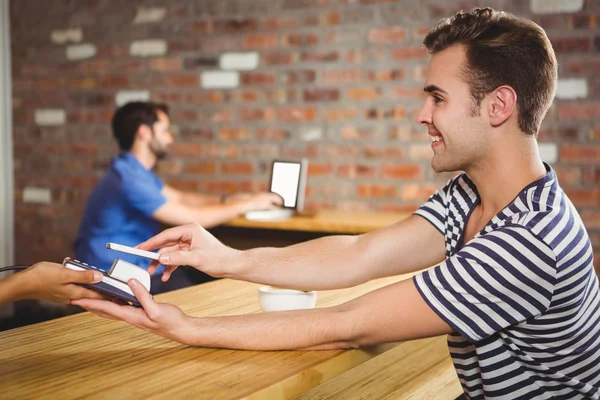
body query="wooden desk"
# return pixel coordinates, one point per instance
(84, 356)
(242, 233)
(327, 221)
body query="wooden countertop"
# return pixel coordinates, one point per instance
(331, 221)
(84, 356)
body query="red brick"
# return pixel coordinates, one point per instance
(280, 95)
(299, 76)
(165, 64)
(187, 149)
(580, 153)
(200, 27)
(266, 41)
(309, 151)
(331, 18)
(386, 152)
(584, 197)
(205, 168)
(305, 39)
(114, 81)
(319, 169)
(93, 67)
(193, 44)
(385, 76)
(570, 44)
(297, 114)
(258, 78)
(112, 51)
(417, 192)
(356, 171)
(186, 185)
(420, 152)
(579, 110)
(581, 21)
(591, 218)
(368, 93)
(89, 116)
(280, 23)
(340, 114)
(591, 175)
(223, 151)
(342, 76)
(81, 83)
(584, 66)
(83, 149)
(267, 114)
(409, 53)
(351, 132)
(170, 167)
(196, 133)
(364, 56)
(272, 134)
(376, 191)
(393, 113)
(321, 95)
(387, 35)
(405, 92)
(129, 65)
(235, 133)
(183, 80)
(278, 58)
(323, 56)
(338, 151)
(184, 115)
(595, 133)
(49, 84)
(407, 171)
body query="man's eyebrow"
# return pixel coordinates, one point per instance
(433, 88)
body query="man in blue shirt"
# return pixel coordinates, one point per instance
(130, 201)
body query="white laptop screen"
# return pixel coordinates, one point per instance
(285, 181)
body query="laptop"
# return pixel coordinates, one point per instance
(288, 179)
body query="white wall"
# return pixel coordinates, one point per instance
(6, 155)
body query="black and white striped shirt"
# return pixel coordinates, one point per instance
(522, 296)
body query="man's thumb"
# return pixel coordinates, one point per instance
(84, 276)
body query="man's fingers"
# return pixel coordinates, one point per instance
(143, 297)
(166, 238)
(176, 258)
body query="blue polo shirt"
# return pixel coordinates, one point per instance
(119, 210)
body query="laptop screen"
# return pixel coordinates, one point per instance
(285, 181)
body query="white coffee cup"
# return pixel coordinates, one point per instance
(277, 299)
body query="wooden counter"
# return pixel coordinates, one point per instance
(329, 221)
(84, 356)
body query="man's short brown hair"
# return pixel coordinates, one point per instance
(502, 49)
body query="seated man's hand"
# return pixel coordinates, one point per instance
(160, 318)
(191, 245)
(55, 282)
(261, 201)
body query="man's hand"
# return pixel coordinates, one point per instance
(159, 318)
(55, 282)
(189, 245)
(256, 201)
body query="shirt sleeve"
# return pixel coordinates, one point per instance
(435, 210)
(144, 196)
(497, 280)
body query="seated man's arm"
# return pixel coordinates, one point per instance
(189, 199)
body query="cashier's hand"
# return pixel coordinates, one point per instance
(160, 318)
(189, 245)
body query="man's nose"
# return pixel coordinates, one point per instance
(423, 116)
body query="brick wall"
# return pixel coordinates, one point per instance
(336, 81)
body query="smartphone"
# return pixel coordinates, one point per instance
(132, 250)
(114, 282)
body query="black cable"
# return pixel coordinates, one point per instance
(14, 268)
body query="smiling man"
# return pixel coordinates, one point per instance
(515, 287)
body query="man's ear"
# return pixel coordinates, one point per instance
(144, 133)
(502, 105)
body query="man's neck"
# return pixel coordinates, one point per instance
(501, 176)
(144, 156)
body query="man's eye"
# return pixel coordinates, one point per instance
(437, 99)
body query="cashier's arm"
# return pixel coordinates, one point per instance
(393, 313)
